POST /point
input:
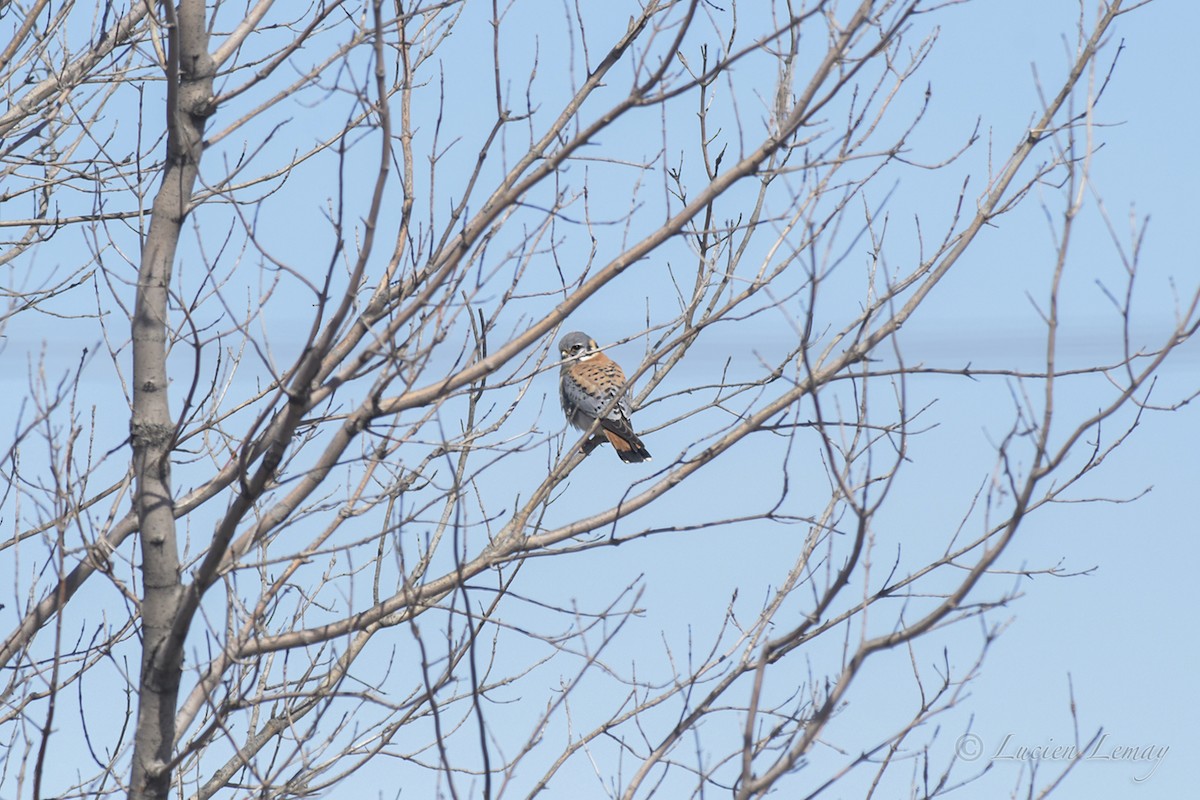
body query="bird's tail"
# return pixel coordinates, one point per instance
(628, 446)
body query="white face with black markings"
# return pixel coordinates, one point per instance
(577, 346)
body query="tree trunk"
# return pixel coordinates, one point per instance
(152, 429)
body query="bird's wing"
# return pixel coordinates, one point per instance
(592, 385)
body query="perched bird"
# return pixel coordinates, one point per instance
(590, 381)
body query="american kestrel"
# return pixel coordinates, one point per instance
(589, 382)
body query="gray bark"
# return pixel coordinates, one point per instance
(152, 429)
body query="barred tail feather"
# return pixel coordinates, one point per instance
(628, 446)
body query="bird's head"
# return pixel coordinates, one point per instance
(577, 346)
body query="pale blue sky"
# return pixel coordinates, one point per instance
(1118, 634)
